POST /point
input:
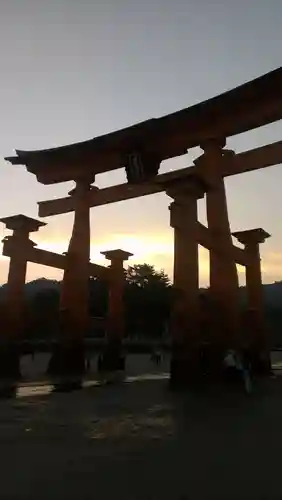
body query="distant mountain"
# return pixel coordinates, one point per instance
(272, 291)
(36, 286)
(273, 294)
(33, 287)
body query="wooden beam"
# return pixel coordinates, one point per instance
(246, 161)
(205, 239)
(51, 259)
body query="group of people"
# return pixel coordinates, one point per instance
(235, 367)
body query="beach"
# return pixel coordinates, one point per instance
(137, 440)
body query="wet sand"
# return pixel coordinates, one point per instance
(139, 441)
(136, 364)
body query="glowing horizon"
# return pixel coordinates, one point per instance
(157, 251)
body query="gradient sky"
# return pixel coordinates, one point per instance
(72, 70)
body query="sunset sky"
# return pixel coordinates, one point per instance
(72, 70)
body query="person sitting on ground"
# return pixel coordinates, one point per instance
(237, 370)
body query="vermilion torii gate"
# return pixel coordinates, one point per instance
(140, 149)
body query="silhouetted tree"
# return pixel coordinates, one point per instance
(143, 275)
(98, 297)
(147, 304)
(147, 299)
(43, 313)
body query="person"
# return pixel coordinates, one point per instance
(87, 363)
(229, 364)
(100, 362)
(32, 353)
(244, 368)
(204, 359)
(247, 379)
(236, 369)
(156, 357)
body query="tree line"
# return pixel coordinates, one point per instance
(147, 301)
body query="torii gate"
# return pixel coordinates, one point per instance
(140, 149)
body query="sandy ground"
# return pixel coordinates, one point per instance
(139, 441)
(136, 364)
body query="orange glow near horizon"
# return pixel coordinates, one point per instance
(155, 250)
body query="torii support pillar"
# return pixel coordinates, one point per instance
(257, 331)
(17, 246)
(185, 314)
(224, 285)
(69, 358)
(112, 359)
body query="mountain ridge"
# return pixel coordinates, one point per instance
(272, 291)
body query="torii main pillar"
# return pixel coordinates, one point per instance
(74, 299)
(185, 314)
(223, 273)
(251, 240)
(17, 246)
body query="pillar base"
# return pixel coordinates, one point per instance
(10, 362)
(197, 368)
(112, 360)
(211, 361)
(184, 368)
(179, 374)
(260, 363)
(67, 365)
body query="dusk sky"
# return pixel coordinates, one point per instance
(72, 70)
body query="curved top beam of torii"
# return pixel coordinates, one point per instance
(243, 108)
(246, 161)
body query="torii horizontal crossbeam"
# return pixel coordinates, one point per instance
(51, 259)
(205, 239)
(246, 161)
